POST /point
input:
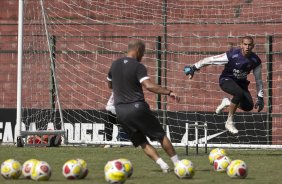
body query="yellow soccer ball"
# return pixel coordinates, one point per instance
(128, 166)
(115, 172)
(41, 171)
(72, 169)
(215, 153)
(221, 163)
(184, 169)
(84, 169)
(237, 169)
(11, 169)
(27, 168)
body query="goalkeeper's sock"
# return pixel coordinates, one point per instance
(230, 118)
(174, 159)
(163, 165)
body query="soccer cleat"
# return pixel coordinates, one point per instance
(229, 125)
(165, 169)
(224, 103)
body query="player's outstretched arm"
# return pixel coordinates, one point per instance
(152, 87)
(221, 59)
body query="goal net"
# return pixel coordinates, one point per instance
(79, 39)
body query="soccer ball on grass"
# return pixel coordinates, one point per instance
(115, 172)
(127, 165)
(221, 163)
(184, 169)
(27, 168)
(11, 169)
(237, 169)
(72, 169)
(215, 153)
(41, 171)
(84, 169)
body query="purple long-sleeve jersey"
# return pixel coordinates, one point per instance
(236, 66)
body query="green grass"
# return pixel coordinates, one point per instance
(264, 165)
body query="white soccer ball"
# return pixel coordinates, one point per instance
(237, 169)
(41, 171)
(184, 169)
(115, 172)
(215, 153)
(72, 169)
(221, 163)
(128, 166)
(84, 169)
(27, 168)
(11, 169)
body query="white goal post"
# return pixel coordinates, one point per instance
(65, 49)
(30, 124)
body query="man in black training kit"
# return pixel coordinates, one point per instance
(126, 77)
(238, 63)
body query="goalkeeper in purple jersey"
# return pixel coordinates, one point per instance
(238, 63)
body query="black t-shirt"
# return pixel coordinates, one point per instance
(126, 75)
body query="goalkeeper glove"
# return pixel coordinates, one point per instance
(190, 70)
(259, 104)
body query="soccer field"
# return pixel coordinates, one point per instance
(264, 165)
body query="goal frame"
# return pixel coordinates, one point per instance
(22, 135)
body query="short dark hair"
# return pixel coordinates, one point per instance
(136, 45)
(248, 38)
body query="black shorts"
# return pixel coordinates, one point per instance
(239, 91)
(138, 121)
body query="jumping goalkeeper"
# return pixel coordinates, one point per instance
(238, 63)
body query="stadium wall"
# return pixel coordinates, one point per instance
(8, 53)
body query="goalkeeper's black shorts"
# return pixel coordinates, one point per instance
(138, 121)
(240, 92)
